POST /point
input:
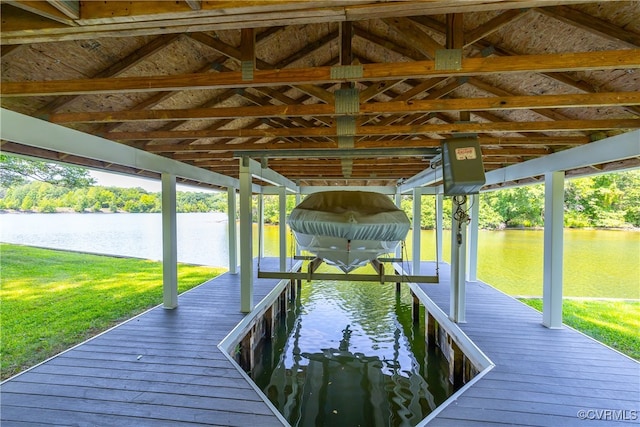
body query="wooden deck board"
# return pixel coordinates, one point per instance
(542, 377)
(164, 369)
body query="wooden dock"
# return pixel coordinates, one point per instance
(163, 368)
(542, 377)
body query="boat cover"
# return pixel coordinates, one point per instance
(352, 215)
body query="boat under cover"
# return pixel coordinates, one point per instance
(348, 228)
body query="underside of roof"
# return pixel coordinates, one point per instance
(325, 92)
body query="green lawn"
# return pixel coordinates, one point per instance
(51, 300)
(614, 323)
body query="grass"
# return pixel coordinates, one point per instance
(614, 323)
(51, 300)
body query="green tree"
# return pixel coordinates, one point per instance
(17, 170)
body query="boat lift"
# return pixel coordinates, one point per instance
(378, 265)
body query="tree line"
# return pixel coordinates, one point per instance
(606, 200)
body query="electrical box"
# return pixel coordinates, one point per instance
(462, 168)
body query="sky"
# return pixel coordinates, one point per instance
(107, 179)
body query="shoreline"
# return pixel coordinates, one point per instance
(107, 211)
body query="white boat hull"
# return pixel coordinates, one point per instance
(348, 229)
(342, 253)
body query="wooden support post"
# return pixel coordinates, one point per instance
(346, 35)
(282, 226)
(261, 225)
(439, 225)
(455, 31)
(246, 352)
(415, 308)
(269, 320)
(398, 201)
(246, 238)
(456, 364)
(417, 229)
(472, 259)
(553, 249)
(457, 306)
(293, 289)
(298, 252)
(232, 230)
(247, 53)
(431, 328)
(169, 242)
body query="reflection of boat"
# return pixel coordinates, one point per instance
(348, 228)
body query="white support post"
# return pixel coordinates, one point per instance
(246, 238)
(417, 229)
(472, 259)
(439, 225)
(261, 225)
(232, 230)
(398, 202)
(282, 226)
(458, 292)
(169, 243)
(298, 200)
(553, 249)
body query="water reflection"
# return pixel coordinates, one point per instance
(349, 355)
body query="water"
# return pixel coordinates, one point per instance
(598, 263)
(202, 237)
(349, 355)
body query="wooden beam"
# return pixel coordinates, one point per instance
(215, 148)
(70, 8)
(537, 126)
(592, 24)
(493, 25)
(455, 31)
(248, 46)
(41, 8)
(415, 36)
(392, 107)
(601, 60)
(346, 36)
(194, 4)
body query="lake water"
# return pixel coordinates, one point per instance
(349, 354)
(598, 263)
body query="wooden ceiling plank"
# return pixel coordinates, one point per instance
(427, 105)
(592, 24)
(601, 60)
(115, 69)
(536, 126)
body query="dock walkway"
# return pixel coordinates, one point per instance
(542, 377)
(163, 368)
